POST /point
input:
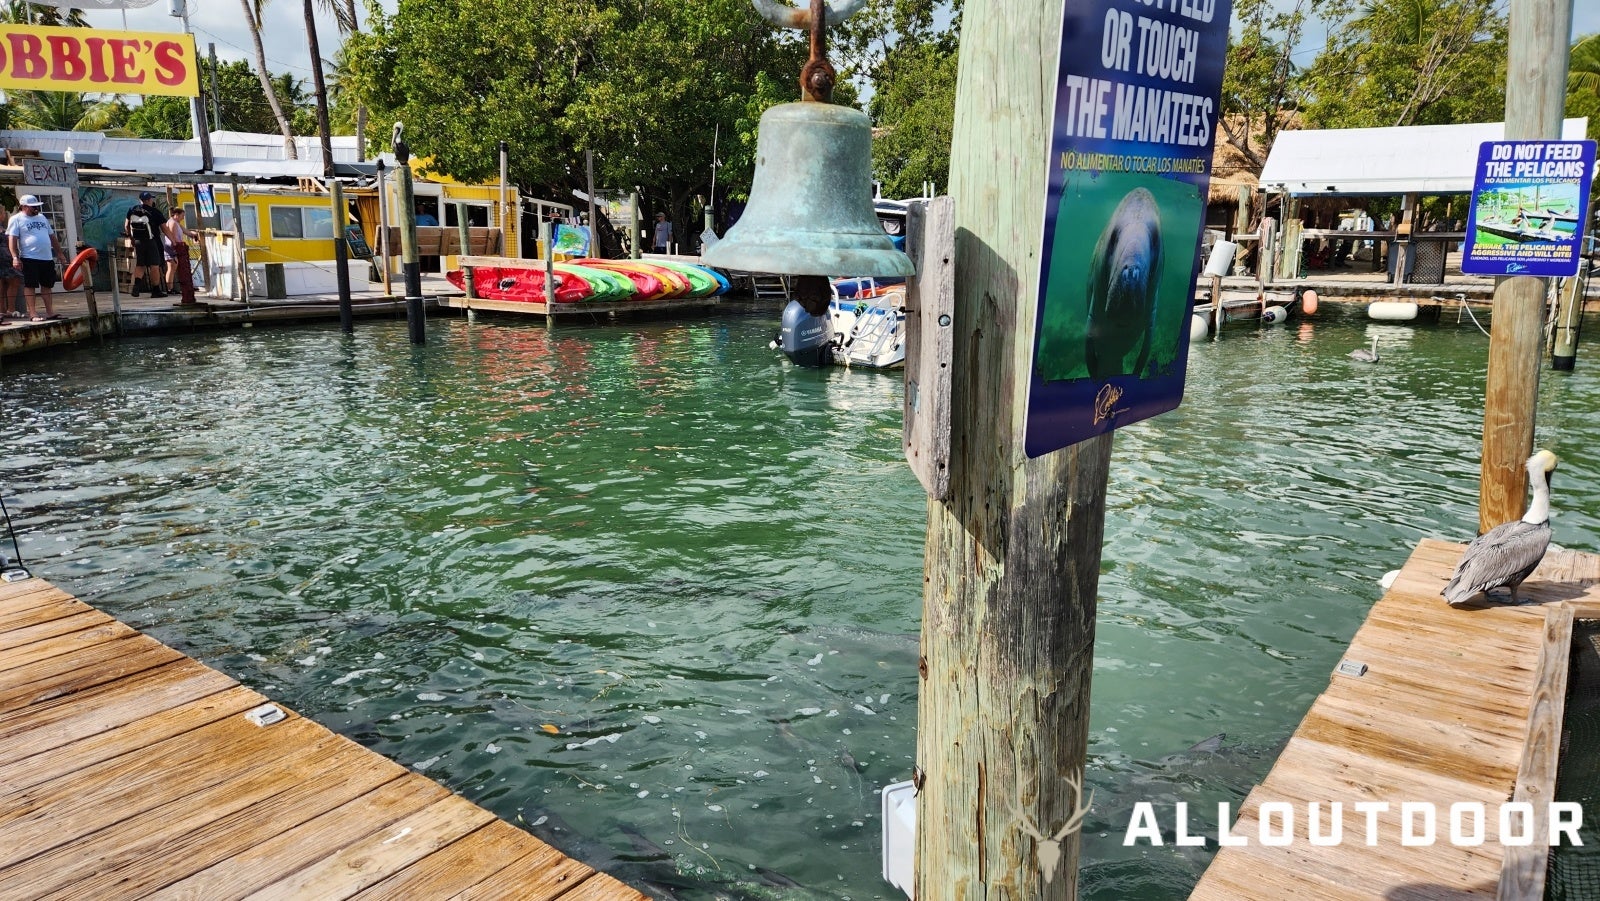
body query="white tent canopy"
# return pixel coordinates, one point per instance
(239, 153)
(1416, 159)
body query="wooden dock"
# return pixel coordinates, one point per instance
(1454, 705)
(128, 770)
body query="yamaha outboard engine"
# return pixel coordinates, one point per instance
(806, 339)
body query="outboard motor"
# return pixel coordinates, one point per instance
(805, 338)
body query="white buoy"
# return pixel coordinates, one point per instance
(1392, 310)
(1274, 315)
(1198, 327)
(1221, 258)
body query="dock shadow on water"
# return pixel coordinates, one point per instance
(653, 594)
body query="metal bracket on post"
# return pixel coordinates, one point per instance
(930, 316)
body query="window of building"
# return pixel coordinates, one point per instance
(301, 222)
(252, 226)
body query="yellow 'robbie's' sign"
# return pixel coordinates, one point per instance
(95, 61)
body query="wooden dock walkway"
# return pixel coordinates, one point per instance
(128, 770)
(1455, 705)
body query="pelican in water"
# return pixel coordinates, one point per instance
(1507, 554)
(1362, 355)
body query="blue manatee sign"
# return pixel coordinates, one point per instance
(1136, 112)
(1529, 203)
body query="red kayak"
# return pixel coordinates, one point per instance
(527, 285)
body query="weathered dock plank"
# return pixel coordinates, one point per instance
(128, 770)
(1456, 706)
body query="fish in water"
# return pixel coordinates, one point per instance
(1123, 276)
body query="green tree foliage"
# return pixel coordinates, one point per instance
(65, 111)
(905, 51)
(1259, 84)
(1408, 62)
(244, 107)
(20, 12)
(915, 104)
(161, 117)
(646, 86)
(1583, 82)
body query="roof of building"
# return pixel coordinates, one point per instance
(233, 153)
(1416, 159)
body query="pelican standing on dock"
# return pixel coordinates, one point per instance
(1508, 553)
(1362, 355)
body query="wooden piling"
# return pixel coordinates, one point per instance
(466, 249)
(341, 258)
(1536, 63)
(1013, 554)
(416, 316)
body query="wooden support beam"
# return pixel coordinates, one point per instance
(1013, 553)
(1522, 873)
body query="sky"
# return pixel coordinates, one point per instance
(222, 22)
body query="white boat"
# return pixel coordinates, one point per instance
(869, 329)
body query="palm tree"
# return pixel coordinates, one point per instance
(345, 15)
(1583, 68)
(252, 16)
(64, 111)
(20, 12)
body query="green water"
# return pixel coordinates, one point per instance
(702, 566)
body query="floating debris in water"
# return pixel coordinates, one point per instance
(815, 660)
(808, 711)
(422, 766)
(652, 720)
(430, 696)
(354, 674)
(550, 728)
(864, 709)
(308, 661)
(643, 794)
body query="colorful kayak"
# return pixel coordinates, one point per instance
(596, 280)
(527, 285)
(649, 282)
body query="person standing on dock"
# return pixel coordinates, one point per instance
(175, 245)
(11, 286)
(663, 233)
(35, 250)
(142, 226)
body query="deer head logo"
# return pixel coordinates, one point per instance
(1047, 851)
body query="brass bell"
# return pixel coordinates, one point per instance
(810, 209)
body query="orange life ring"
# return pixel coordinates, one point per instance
(72, 279)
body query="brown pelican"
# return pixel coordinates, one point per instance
(1507, 554)
(1362, 355)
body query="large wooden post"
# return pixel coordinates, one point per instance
(1013, 554)
(1536, 63)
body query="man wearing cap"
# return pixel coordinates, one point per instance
(143, 228)
(34, 251)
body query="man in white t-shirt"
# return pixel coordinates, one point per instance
(35, 252)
